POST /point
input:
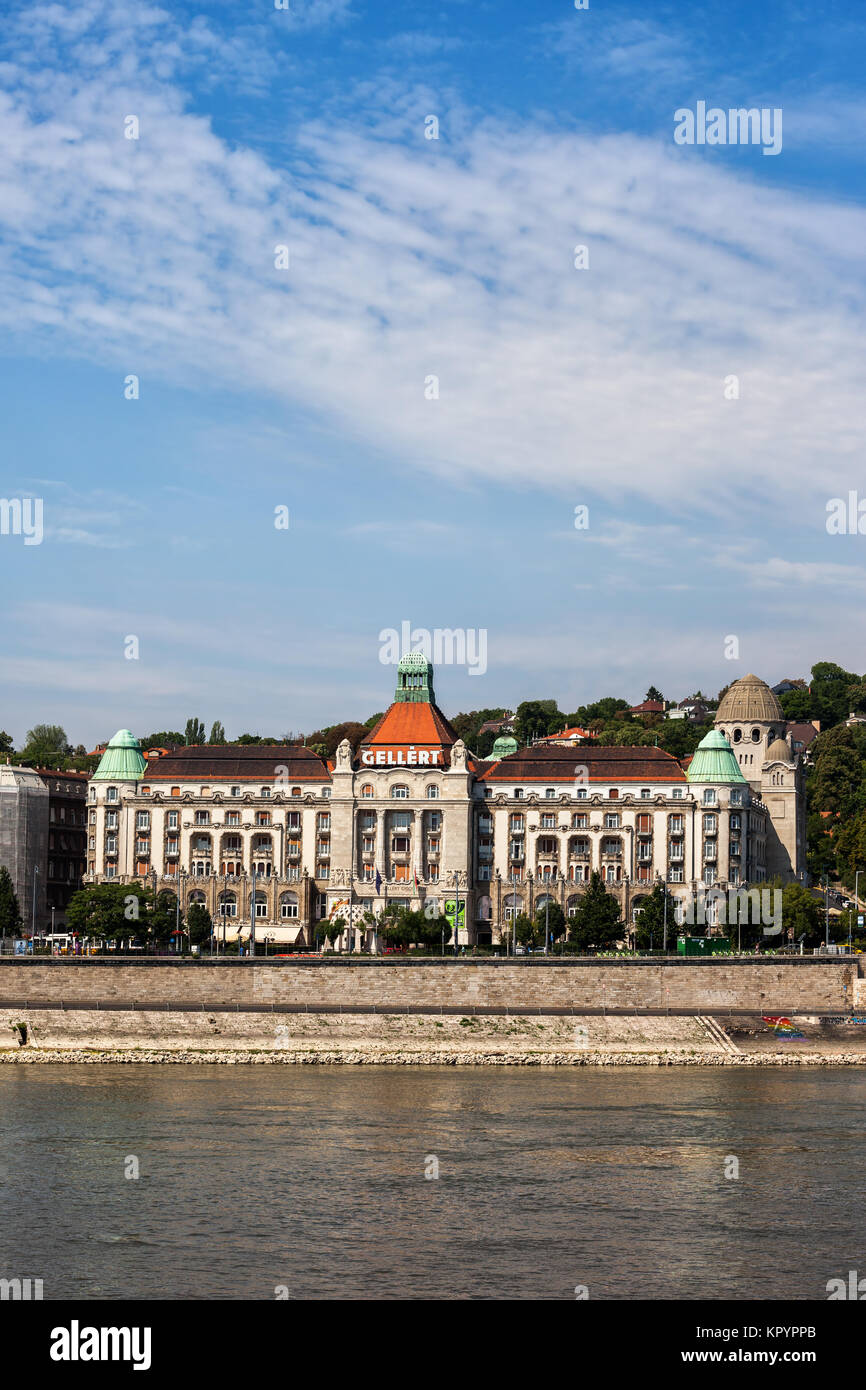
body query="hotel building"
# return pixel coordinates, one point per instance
(279, 837)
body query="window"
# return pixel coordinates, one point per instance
(266, 791)
(111, 794)
(400, 844)
(175, 791)
(675, 825)
(432, 793)
(234, 791)
(581, 794)
(293, 820)
(756, 735)
(401, 820)
(613, 794)
(323, 820)
(735, 822)
(644, 824)
(296, 791)
(326, 791)
(611, 820)
(434, 820)
(111, 820)
(288, 905)
(202, 817)
(548, 822)
(736, 796)
(323, 871)
(677, 794)
(709, 796)
(580, 821)
(263, 817)
(550, 793)
(142, 820)
(145, 791)
(172, 820)
(367, 791)
(644, 792)
(738, 734)
(709, 825)
(400, 792)
(517, 823)
(518, 793)
(91, 818)
(483, 872)
(261, 905)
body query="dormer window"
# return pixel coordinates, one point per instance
(550, 793)
(518, 793)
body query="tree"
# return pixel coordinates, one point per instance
(46, 744)
(535, 718)
(162, 918)
(596, 923)
(217, 733)
(650, 925)
(194, 733)
(199, 924)
(801, 913)
(6, 744)
(165, 739)
(10, 912)
(654, 694)
(110, 910)
(550, 920)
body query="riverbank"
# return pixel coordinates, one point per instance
(431, 1058)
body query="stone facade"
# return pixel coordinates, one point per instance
(412, 816)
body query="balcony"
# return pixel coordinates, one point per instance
(293, 851)
(172, 852)
(579, 854)
(611, 853)
(263, 851)
(548, 855)
(484, 851)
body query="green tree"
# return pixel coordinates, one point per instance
(165, 739)
(654, 694)
(6, 744)
(194, 733)
(551, 920)
(10, 913)
(596, 924)
(650, 924)
(110, 910)
(801, 913)
(46, 745)
(199, 924)
(217, 733)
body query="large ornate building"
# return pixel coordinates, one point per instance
(278, 836)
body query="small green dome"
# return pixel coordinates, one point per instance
(714, 761)
(413, 661)
(504, 746)
(122, 760)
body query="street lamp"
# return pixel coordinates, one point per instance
(33, 909)
(856, 907)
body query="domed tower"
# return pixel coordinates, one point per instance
(783, 794)
(751, 718)
(109, 794)
(414, 680)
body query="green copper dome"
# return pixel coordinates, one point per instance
(714, 761)
(505, 745)
(122, 760)
(414, 680)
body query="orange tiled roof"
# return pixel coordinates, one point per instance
(551, 763)
(417, 724)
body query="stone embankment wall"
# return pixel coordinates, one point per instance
(778, 985)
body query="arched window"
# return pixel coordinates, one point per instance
(432, 792)
(756, 735)
(738, 734)
(197, 897)
(296, 791)
(261, 904)
(399, 792)
(367, 791)
(289, 905)
(228, 905)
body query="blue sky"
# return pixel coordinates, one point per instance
(304, 387)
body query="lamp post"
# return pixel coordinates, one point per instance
(856, 906)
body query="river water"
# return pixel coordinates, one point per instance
(257, 1182)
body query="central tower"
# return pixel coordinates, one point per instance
(414, 680)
